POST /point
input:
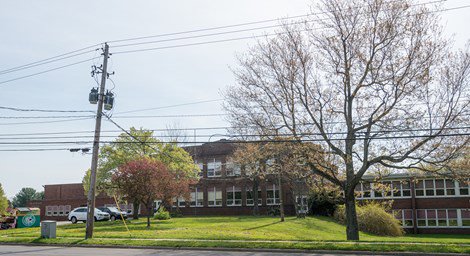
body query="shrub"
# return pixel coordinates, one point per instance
(373, 218)
(162, 214)
(274, 211)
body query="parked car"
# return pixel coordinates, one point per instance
(79, 214)
(114, 213)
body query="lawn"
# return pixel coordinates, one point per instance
(245, 231)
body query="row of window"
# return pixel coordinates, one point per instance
(58, 210)
(214, 168)
(423, 188)
(233, 197)
(432, 218)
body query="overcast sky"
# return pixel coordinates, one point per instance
(35, 30)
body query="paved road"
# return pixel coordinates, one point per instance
(17, 250)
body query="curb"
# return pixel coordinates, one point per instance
(222, 249)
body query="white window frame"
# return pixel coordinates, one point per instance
(252, 200)
(214, 168)
(201, 168)
(302, 207)
(233, 190)
(198, 202)
(215, 202)
(275, 200)
(447, 219)
(236, 169)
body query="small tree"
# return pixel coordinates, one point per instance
(3, 201)
(146, 180)
(252, 160)
(25, 195)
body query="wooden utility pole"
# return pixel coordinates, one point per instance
(96, 146)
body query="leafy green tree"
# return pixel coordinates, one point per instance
(25, 195)
(134, 145)
(3, 201)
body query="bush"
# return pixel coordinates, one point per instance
(274, 211)
(162, 214)
(373, 218)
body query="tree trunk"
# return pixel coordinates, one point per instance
(352, 229)
(149, 213)
(281, 200)
(135, 205)
(255, 196)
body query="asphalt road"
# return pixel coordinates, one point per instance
(18, 250)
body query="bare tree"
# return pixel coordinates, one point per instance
(373, 81)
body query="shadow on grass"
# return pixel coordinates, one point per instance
(263, 226)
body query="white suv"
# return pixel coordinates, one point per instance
(79, 214)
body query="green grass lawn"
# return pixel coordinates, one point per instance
(245, 231)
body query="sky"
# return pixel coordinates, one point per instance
(36, 30)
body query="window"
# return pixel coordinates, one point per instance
(421, 218)
(55, 210)
(376, 189)
(452, 217)
(407, 218)
(396, 188)
(214, 168)
(200, 165)
(250, 197)
(179, 202)
(272, 195)
(429, 187)
(419, 188)
(440, 187)
(197, 198)
(48, 210)
(366, 190)
(432, 218)
(437, 218)
(465, 213)
(233, 169)
(464, 188)
(450, 187)
(214, 197)
(302, 205)
(405, 188)
(234, 196)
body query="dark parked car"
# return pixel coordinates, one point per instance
(114, 213)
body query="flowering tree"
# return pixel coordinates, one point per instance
(146, 180)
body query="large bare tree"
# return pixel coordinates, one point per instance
(374, 82)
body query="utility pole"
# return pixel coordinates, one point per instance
(96, 146)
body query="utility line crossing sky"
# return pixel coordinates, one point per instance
(152, 87)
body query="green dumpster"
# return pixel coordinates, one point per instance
(28, 217)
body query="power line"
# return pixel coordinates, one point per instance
(231, 141)
(235, 31)
(42, 63)
(150, 116)
(174, 46)
(169, 106)
(48, 122)
(237, 135)
(241, 25)
(34, 149)
(232, 39)
(46, 71)
(45, 110)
